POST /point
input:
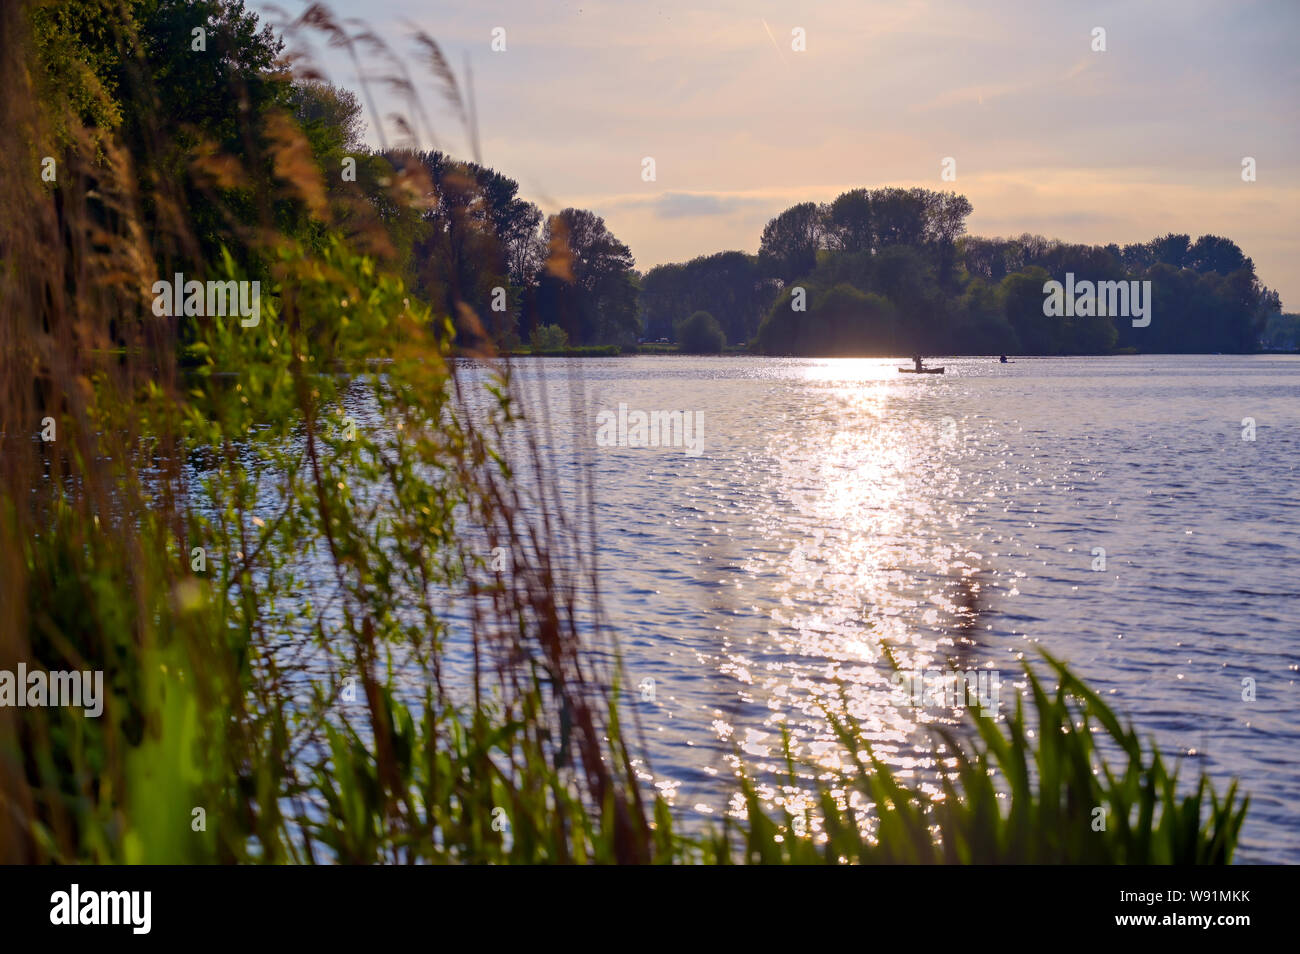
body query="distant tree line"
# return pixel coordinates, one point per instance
(891, 271)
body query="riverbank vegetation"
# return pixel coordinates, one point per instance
(341, 606)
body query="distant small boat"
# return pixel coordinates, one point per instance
(920, 370)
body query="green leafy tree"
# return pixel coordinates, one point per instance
(331, 116)
(700, 334)
(979, 325)
(79, 46)
(549, 338)
(1022, 297)
(841, 320)
(184, 107)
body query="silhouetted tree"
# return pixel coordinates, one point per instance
(594, 296)
(790, 241)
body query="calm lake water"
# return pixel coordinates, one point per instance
(837, 510)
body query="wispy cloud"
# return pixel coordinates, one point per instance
(685, 205)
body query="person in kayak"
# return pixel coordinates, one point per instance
(916, 358)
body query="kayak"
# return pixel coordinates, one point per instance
(922, 371)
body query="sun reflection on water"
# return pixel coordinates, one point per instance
(866, 564)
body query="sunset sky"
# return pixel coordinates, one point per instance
(1048, 136)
